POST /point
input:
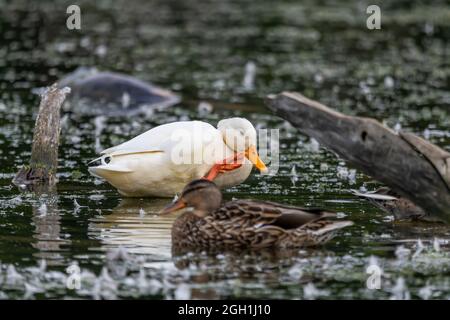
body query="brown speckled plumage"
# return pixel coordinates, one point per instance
(249, 224)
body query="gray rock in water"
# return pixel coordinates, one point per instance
(108, 93)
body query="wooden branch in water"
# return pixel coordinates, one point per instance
(44, 153)
(409, 165)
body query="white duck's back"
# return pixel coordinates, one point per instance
(161, 138)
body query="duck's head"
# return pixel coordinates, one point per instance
(240, 136)
(202, 196)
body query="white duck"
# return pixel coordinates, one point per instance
(161, 161)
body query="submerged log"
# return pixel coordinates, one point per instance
(409, 165)
(44, 153)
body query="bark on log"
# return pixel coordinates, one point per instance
(409, 165)
(44, 153)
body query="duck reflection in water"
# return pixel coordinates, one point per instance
(135, 225)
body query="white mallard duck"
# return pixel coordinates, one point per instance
(161, 161)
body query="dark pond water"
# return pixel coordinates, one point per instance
(399, 75)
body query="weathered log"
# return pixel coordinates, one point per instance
(44, 153)
(409, 165)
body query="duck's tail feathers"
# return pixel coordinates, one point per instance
(103, 170)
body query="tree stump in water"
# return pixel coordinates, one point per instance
(411, 166)
(44, 154)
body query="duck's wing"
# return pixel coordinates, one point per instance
(262, 224)
(163, 138)
(189, 138)
(264, 213)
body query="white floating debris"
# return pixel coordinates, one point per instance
(295, 272)
(76, 205)
(204, 108)
(342, 172)
(318, 78)
(313, 145)
(154, 286)
(64, 121)
(96, 197)
(428, 28)
(345, 174)
(373, 261)
(340, 215)
(400, 291)
(141, 213)
(352, 176)
(85, 42)
(99, 123)
(294, 176)
(183, 292)
(219, 84)
(389, 82)
(142, 282)
(426, 292)
(30, 290)
(16, 201)
(120, 253)
(402, 253)
(365, 89)
(310, 291)
(13, 278)
(125, 100)
(436, 245)
(43, 266)
(104, 275)
(419, 248)
(101, 50)
(397, 127)
(323, 166)
(42, 209)
(106, 287)
(249, 77)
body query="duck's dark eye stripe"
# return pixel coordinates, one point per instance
(197, 185)
(192, 189)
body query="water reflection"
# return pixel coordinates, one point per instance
(135, 225)
(47, 229)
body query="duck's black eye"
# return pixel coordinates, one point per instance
(107, 160)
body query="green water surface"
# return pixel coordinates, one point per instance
(399, 75)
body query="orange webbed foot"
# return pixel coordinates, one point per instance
(226, 165)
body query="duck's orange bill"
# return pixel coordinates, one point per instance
(252, 155)
(174, 206)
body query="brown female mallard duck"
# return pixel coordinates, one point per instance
(245, 223)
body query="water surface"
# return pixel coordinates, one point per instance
(399, 75)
